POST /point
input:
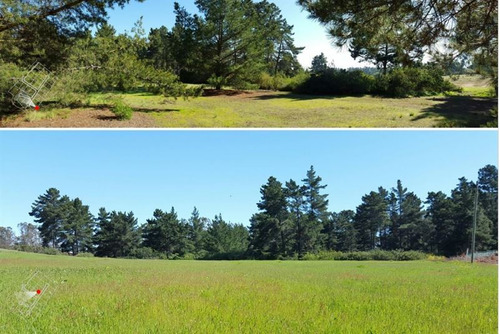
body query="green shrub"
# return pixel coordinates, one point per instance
(375, 255)
(216, 82)
(337, 82)
(8, 75)
(143, 253)
(121, 109)
(38, 249)
(404, 82)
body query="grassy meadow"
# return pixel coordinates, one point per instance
(95, 295)
(268, 109)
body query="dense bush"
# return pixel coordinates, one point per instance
(8, 73)
(38, 249)
(121, 109)
(374, 255)
(337, 82)
(403, 82)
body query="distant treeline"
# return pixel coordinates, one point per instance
(293, 222)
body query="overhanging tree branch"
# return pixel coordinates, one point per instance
(43, 14)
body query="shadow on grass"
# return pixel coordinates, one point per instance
(145, 110)
(460, 111)
(297, 97)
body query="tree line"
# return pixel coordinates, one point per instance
(292, 221)
(243, 43)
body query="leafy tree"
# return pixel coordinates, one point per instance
(165, 233)
(371, 217)
(319, 63)
(7, 237)
(28, 235)
(117, 234)
(47, 212)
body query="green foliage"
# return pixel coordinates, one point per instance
(121, 109)
(144, 253)
(38, 249)
(403, 82)
(373, 255)
(8, 73)
(216, 82)
(337, 82)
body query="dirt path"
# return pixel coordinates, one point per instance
(79, 118)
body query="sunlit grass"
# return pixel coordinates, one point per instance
(154, 296)
(35, 115)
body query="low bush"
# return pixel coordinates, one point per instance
(404, 82)
(374, 255)
(337, 82)
(8, 75)
(401, 82)
(38, 249)
(121, 109)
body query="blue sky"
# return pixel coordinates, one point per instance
(222, 171)
(308, 33)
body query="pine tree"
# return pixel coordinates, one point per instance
(46, 210)
(76, 227)
(270, 230)
(440, 211)
(371, 217)
(319, 63)
(117, 234)
(165, 233)
(296, 204)
(197, 232)
(488, 197)
(225, 240)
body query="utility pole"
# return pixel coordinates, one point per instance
(473, 248)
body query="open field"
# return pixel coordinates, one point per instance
(154, 296)
(276, 109)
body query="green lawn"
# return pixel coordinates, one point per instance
(155, 296)
(265, 109)
(282, 109)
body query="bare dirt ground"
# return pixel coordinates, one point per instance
(82, 118)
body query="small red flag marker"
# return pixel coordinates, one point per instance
(38, 291)
(37, 107)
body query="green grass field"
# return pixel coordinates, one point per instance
(261, 109)
(155, 296)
